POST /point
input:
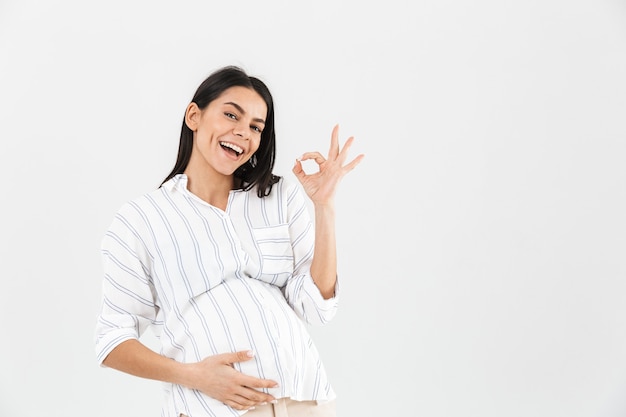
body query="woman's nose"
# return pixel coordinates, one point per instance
(241, 130)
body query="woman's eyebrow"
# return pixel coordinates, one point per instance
(242, 111)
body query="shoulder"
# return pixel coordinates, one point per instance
(288, 187)
(138, 210)
(285, 192)
(142, 201)
(291, 195)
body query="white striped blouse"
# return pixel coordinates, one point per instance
(213, 281)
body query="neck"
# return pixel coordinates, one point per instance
(213, 189)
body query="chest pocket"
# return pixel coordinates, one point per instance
(275, 251)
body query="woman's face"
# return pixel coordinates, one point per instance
(228, 131)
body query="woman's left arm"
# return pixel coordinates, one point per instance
(321, 187)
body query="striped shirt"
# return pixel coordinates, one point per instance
(211, 281)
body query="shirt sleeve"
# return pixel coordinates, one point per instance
(128, 296)
(301, 292)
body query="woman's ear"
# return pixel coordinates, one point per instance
(192, 116)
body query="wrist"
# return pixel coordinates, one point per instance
(324, 206)
(180, 373)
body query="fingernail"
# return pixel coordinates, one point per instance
(250, 353)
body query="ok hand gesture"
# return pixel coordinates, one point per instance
(322, 185)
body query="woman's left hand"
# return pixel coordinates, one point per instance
(321, 186)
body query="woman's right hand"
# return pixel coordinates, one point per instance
(216, 377)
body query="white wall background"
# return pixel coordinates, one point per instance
(482, 240)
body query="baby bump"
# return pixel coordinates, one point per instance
(242, 314)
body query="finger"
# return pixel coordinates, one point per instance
(298, 170)
(344, 151)
(254, 382)
(255, 397)
(239, 403)
(246, 398)
(333, 152)
(316, 156)
(356, 161)
(241, 356)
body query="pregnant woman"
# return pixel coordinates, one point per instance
(225, 262)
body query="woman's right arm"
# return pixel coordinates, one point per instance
(214, 376)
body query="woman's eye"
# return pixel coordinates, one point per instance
(256, 129)
(230, 115)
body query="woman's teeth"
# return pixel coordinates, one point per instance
(232, 147)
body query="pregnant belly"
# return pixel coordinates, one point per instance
(241, 314)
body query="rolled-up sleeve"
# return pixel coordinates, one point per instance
(306, 300)
(301, 292)
(128, 296)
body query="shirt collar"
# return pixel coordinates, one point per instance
(177, 182)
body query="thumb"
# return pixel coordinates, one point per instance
(298, 170)
(241, 356)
